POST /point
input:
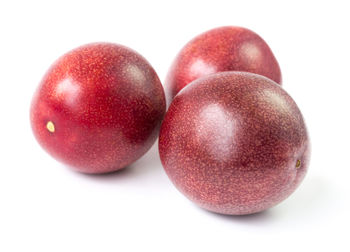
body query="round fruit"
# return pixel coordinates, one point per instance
(234, 143)
(218, 50)
(98, 108)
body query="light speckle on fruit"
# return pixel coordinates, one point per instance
(98, 108)
(234, 143)
(222, 49)
(50, 126)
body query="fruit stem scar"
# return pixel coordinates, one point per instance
(298, 163)
(50, 126)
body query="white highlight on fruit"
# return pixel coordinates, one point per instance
(137, 79)
(136, 74)
(279, 103)
(200, 68)
(250, 52)
(215, 131)
(68, 90)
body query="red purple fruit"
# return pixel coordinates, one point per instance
(221, 49)
(234, 143)
(98, 108)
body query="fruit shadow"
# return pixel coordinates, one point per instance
(147, 165)
(315, 195)
(255, 218)
(304, 203)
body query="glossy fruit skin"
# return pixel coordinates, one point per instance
(104, 103)
(227, 48)
(231, 142)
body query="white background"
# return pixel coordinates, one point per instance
(46, 207)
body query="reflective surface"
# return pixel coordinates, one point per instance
(234, 143)
(98, 108)
(222, 49)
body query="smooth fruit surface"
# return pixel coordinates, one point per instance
(226, 48)
(98, 108)
(234, 143)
